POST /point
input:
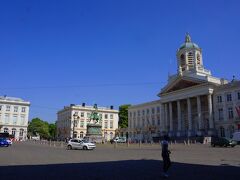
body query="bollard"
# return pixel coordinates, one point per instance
(50, 143)
(61, 144)
(54, 143)
(139, 144)
(188, 142)
(185, 142)
(175, 142)
(195, 142)
(127, 143)
(115, 145)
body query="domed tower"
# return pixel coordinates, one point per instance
(189, 57)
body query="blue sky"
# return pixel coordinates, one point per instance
(54, 52)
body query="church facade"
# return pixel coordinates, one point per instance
(189, 103)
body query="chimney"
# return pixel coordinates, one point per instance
(83, 104)
(111, 107)
(72, 105)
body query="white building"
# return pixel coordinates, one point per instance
(66, 127)
(14, 113)
(187, 104)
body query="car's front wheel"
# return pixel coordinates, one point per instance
(69, 147)
(85, 148)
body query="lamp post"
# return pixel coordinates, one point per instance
(75, 117)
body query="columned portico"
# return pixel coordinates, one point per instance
(189, 117)
(179, 118)
(210, 112)
(199, 113)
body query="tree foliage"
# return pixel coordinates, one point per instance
(42, 128)
(123, 115)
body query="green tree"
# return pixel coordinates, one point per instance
(38, 126)
(123, 115)
(52, 130)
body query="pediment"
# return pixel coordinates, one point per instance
(181, 83)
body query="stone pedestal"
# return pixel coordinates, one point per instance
(94, 133)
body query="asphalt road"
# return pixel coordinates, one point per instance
(26, 160)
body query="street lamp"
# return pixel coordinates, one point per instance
(75, 117)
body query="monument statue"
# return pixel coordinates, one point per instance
(94, 126)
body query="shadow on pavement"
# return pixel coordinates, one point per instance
(131, 169)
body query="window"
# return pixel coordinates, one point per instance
(75, 123)
(198, 59)
(229, 97)
(82, 124)
(153, 110)
(13, 132)
(238, 94)
(230, 113)
(143, 112)
(21, 132)
(81, 134)
(100, 115)
(0, 107)
(105, 124)
(111, 124)
(111, 135)
(220, 114)
(153, 121)
(134, 114)
(8, 108)
(106, 116)
(7, 118)
(182, 58)
(22, 120)
(15, 109)
(111, 116)
(219, 99)
(82, 114)
(5, 130)
(130, 114)
(23, 109)
(143, 122)
(147, 111)
(190, 59)
(158, 109)
(158, 120)
(138, 113)
(15, 119)
(88, 115)
(222, 132)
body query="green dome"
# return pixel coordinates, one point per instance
(188, 43)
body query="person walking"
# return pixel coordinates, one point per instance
(165, 155)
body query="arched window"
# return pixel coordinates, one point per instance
(13, 132)
(111, 135)
(198, 59)
(81, 134)
(190, 59)
(182, 62)
(231, 131)
(5, 130)
(21, 132)
(75, 134)
(222, 131)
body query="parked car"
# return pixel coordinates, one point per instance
(4, 142)
(118, 140)
(9, 141)
(236, 137)
(220, 141)
(80, 144)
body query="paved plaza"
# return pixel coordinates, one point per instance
(28, 160)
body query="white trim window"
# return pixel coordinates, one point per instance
(220, 114)
(8, 108)
(23, 109)
(219, 99)
(230, 113)
(229, 97)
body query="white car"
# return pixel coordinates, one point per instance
(80, 144)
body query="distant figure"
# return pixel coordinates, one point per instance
(165, 156)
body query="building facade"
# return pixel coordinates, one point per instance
(14, 113)
(70, 126)
(187, 104)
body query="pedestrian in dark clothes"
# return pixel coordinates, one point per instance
(165, 155)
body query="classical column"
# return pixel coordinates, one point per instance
(166, 117)
(179, 118)
(189, 117)
(210, 111)
(199, 111)
(162, 118)
(170, 117)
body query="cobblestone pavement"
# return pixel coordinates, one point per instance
(28, 160)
